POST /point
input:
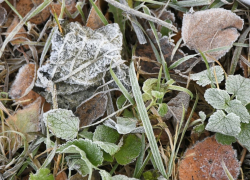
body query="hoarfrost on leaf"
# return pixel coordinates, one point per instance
(79, 61)
(239, 86)
(225, 124)
(203, 78)
(62, 123)
(77, 164)
(237, 108)
(217, 98)
(244, 136)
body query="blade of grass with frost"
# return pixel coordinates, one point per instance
(79, 6)
(228, 174)
(139, 160)
(47, 45)
(62, 9)
(175, 48)
(180, 61)
(179, 88)
(22, 22)
(207, 65)
(145, 120)
(241, 44)
(165, 68)
(217, 49)
(237, 51)
(138, 175)
(217, 4)
(99, 13)
(122, 88)
(13, 9)
(50, 156)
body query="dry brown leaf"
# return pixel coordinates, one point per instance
(22, 33)
(25, 6)
(91, 109)
(61, 176)
(24, 121)
(24, 81)
(210, 29)
(203, 161)
(93, 21)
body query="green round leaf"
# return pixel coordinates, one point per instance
(163, 109)
(217, 98)
(224, 139)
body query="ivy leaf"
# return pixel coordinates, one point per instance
(62, 123)
(92, 151)
(224, 139)
(225, 124)
(77, 164)
(42, 174)
(130, 149)
(244, 136)
(163, 109)
(239, 86)
(106, 134)
(237, 108)
(217, 98)
(203, 79)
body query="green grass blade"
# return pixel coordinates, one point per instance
(178, 88)
(99, 13)
(180, 61)
(139, 161)
(145, 120)
(122, 88)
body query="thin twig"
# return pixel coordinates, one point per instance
(141, 15)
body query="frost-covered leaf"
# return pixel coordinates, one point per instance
(237, 108)
(149, 84)
(239, 86)
(124, 125)
(202, 116)
(86, 134)
(244, 136)
(106, 134)
(202, 78)
(42, 174)
(157, 94)
(199, 128)
(77, 164)
(217, 98)
(202, 33)
(62, 123)
(79, 60)
(224, 139)
(163, 109)
(92, 151)
(146, 97)
(120, 102)
(225, 124)
(130, 149)
(106, 176)
(110, 148)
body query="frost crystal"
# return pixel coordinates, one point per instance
(79, 61)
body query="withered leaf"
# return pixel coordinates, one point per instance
(24, 121)
(210, 29)
(91, 109)
(204, 161)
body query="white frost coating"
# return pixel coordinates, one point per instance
(62, 123)
(246, 2)
(217, 98)
(80, 59)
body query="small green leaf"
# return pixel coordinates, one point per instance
(110, 148)
(239, 86)
(199, 128)
(217, 98)
(130, 149)
(92, 151)
(62, 123)
(237, 108)
(202, 116)
(86, 134)
(146, 97)
(244, 136)
(42, 174)
(77, 164)
(149, 84)
(158, 94)
(224, 139)
(106, 134)
(203, 79)
(163, 109)
(224, 124)
(107, 157)
(120, 102)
